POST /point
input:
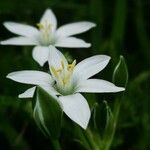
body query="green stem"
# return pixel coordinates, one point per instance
(111, 129)
(91, 140)
(56, 144)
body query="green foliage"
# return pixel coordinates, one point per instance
(120, 74)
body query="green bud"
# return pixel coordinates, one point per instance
(120, 74)
(47, 113)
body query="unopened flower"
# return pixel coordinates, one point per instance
(47, 34)
(67, 81)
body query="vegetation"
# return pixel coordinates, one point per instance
(122, 29)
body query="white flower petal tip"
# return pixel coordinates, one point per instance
(74, 28)
(21, 29)
(40, 54)
(19, 41)
(2, 43)
(120, 89)
(76, 108)
(72, 42)
(47, 13)
(90, 66)
(7, 42)
(98, 86)
(30, 77)
(87, 45)
(10, 76)
(28, 93)
(85, 25)
(92, 24)
(50, 18)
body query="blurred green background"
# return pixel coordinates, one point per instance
(123, 28)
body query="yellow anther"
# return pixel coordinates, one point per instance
(54, 71)
(44, 26)
(40, 25)
(63, 74)
(74, 63)
(71, 66)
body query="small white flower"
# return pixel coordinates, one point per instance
(47, 34)
(67, 81)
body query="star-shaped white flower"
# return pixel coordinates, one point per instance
(47, 34)
(67, 81)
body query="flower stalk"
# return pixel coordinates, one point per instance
(56, 144)
(111, 127)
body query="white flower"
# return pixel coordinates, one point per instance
(67, 81)
(47, 34)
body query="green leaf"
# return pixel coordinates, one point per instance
(120, 74)
(47, 113)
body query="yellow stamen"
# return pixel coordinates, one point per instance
(54, 72)
(71, 66)
(63, 74)
(74, 63)
(40, 25)
(44, 26)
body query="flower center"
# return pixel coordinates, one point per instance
(46, 34)
(63, 78)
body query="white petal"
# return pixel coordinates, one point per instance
(28, 93)
(40, 54)
(98, 86)
(31, 77)
(50, 90)
(19, 41)
(90, 66)
(50, 18)
(56, 58)
(74, 28)
(76, 108)
(21, 29)
(71, 42)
